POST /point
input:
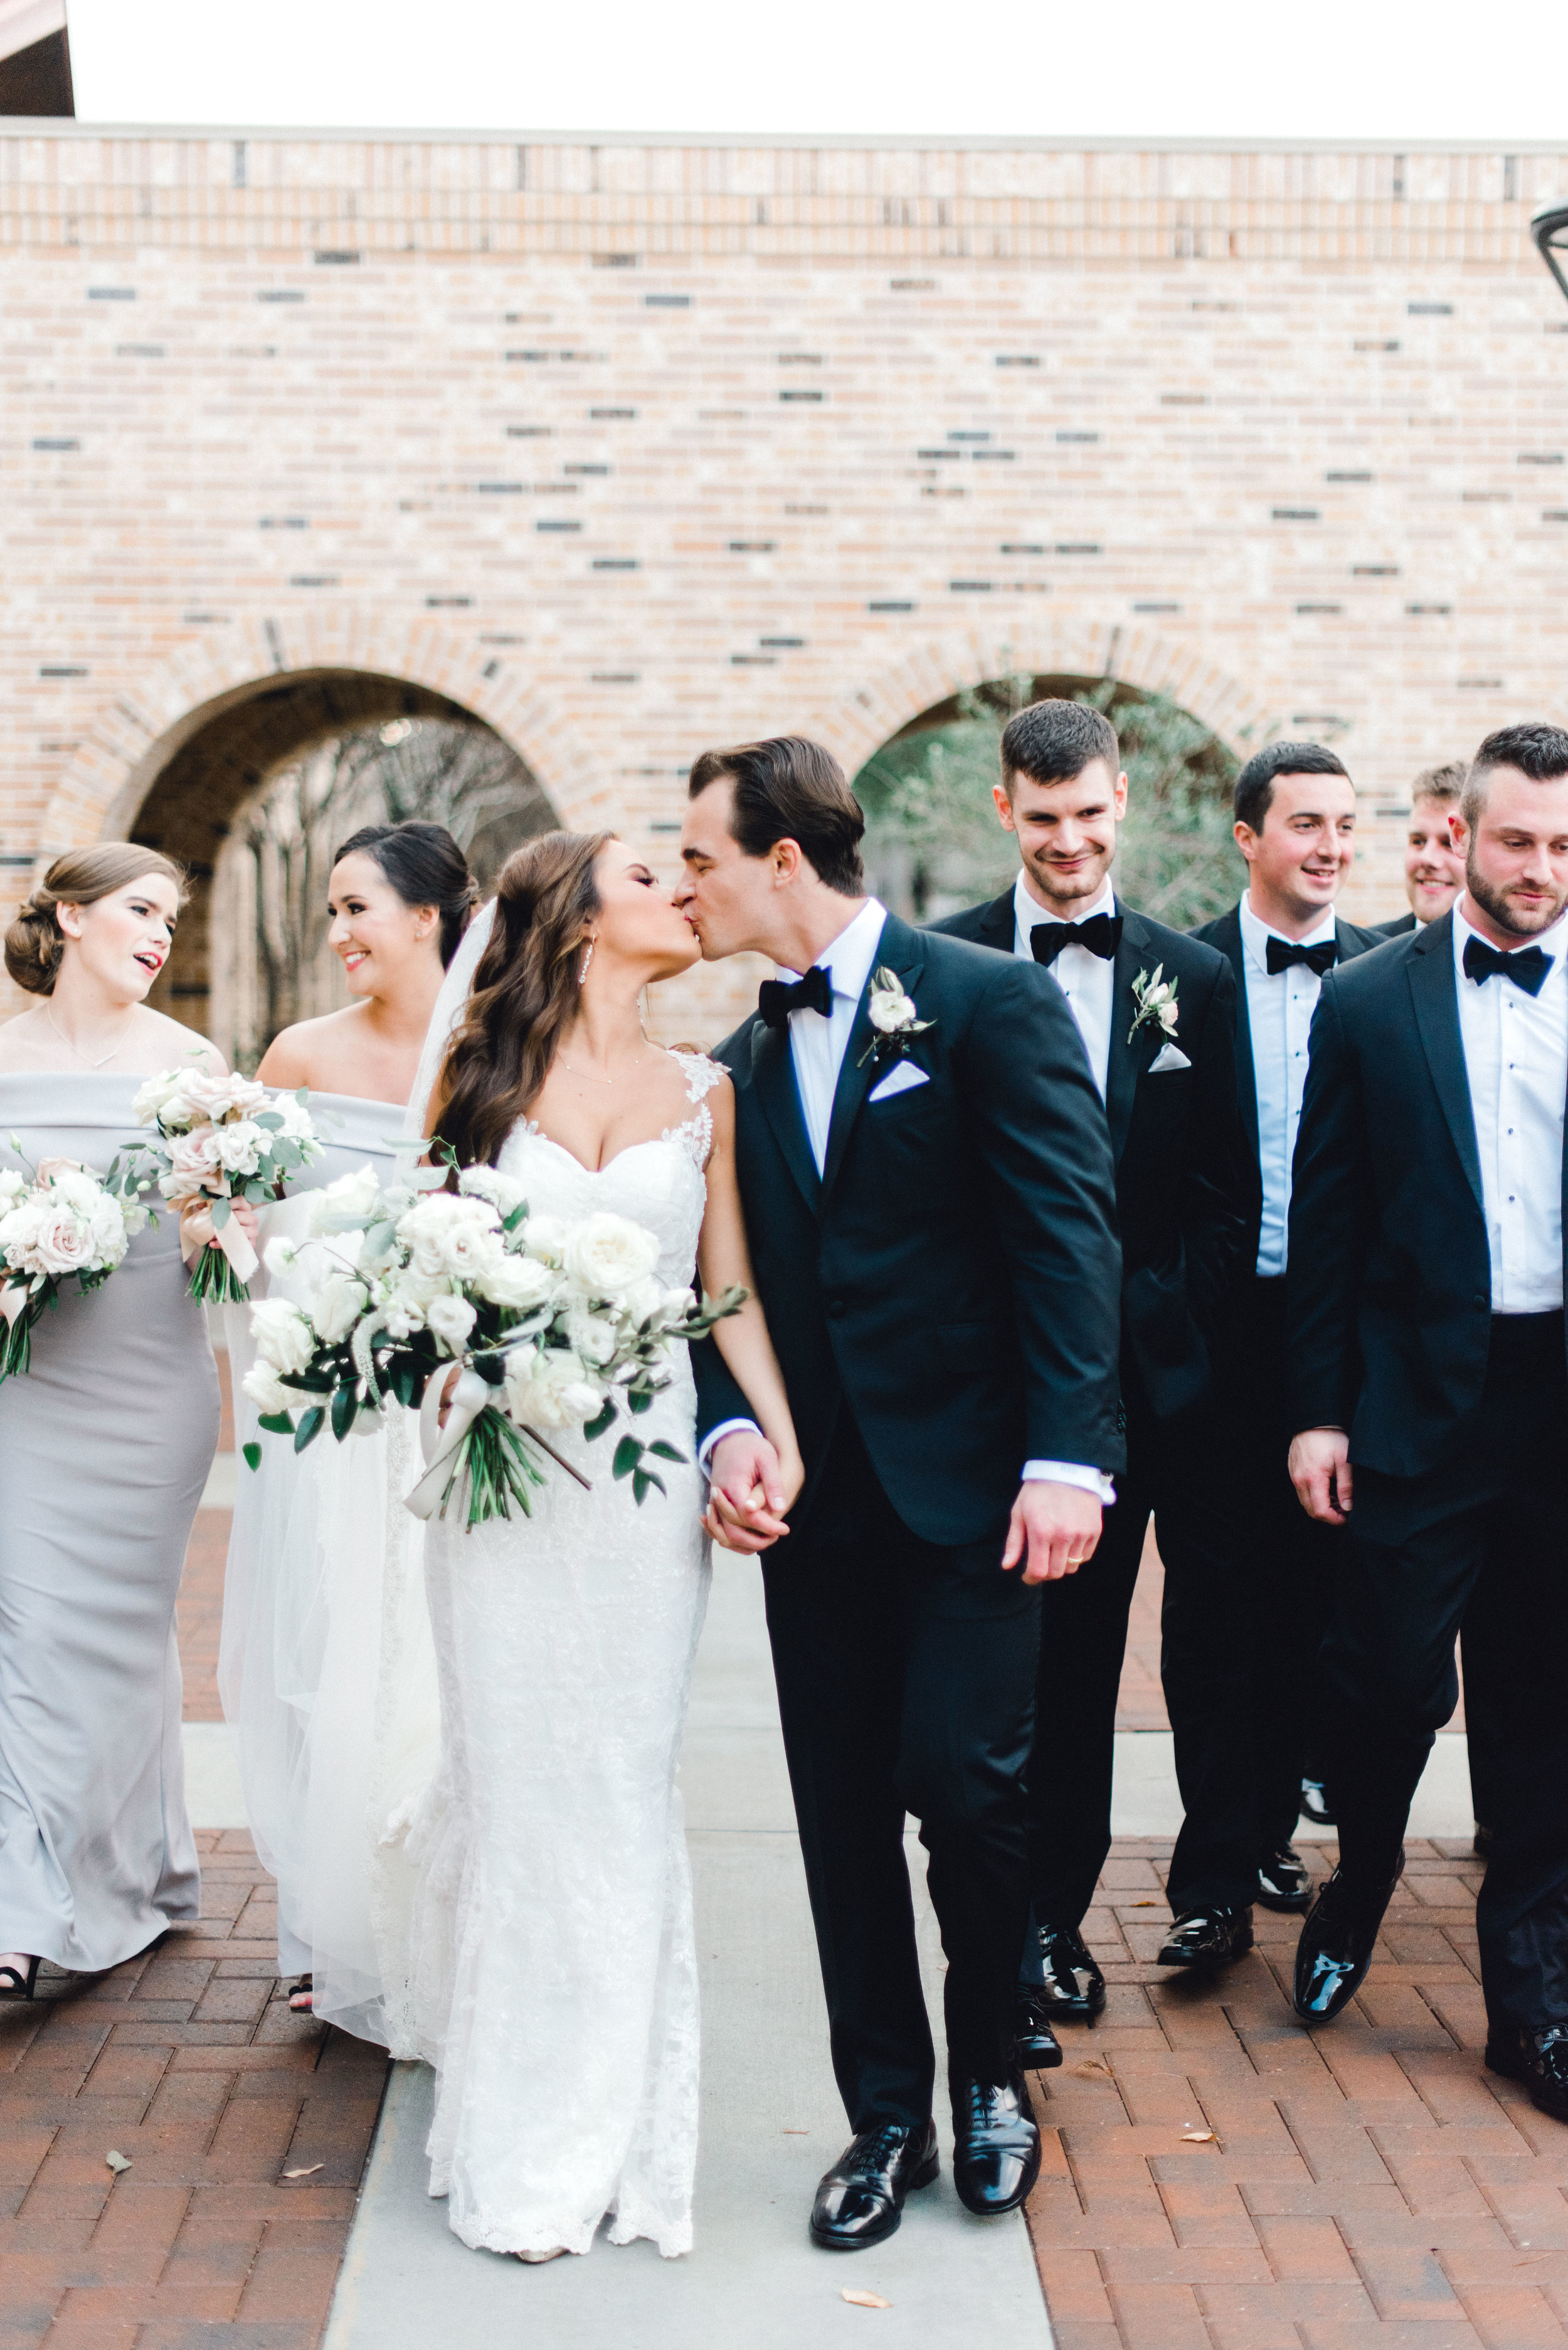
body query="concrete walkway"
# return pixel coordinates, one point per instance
(771, 2124)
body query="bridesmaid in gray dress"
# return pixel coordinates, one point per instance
(105, 1445)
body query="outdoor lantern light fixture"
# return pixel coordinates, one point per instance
(1549, 230)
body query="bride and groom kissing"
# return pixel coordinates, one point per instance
(903, 1154)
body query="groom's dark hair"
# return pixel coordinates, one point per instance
(790, 789)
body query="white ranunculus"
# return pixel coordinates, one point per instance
(889, 1012)
(336, 1306)
(283, 1337)
(504, 1192)
(354, 1195)
(266, 1391)
(240, 1147)
(451, 1319)
(519, 1282)
(608, 1255)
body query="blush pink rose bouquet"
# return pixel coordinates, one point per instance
(62, 1224)
(219, 1139)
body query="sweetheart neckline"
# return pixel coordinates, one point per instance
(649, 1142)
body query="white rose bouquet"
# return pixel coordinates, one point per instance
(555, 1325)
(222, 1138)
(65, 1223)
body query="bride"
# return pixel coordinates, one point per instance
(554, 1977)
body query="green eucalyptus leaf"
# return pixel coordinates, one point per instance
(310, 1426)
(627, 1453)
(666, 1452)
(602, 1419)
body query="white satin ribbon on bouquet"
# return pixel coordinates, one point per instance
(438, 1444)
(197, 1232)
(13, 1298)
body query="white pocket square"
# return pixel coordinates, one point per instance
(1170, 1057)
(899, 1079)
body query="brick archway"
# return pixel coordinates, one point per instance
(131, 745)
(929, 674)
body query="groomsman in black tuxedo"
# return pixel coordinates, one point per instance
(1168, 1085)
(1296, 826)
(1430, 1387)
(931, 1206)
(1434, 870)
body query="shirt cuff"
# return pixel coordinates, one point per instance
(1070, 1472)
(717, 1435)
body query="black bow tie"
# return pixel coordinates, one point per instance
(1282, 955)
(1527, 966)
(776, 999)
(1102, 934)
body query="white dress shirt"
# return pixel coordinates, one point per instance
(1516, 1058)
(1087, 980)
(818, 1046)
(1280, 1007)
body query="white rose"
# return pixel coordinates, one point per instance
(608, 1255)
(295, 1117)
(279, 1256)
(592, 1336)
(194, 1156)
(241, 1146)
(554, 1390)
(889, 1013)
(266, 1391)
(284, 1337)
(503, 1192)
(107, 1227)
(336, 1306)
(14, 1186)
(62, 1242)
(354, 1197)
(519, 1282)
(642, 1301)
(154, 1096)
(451, 1319)
(446, 1235)
(545, 1237)
(226, 1096)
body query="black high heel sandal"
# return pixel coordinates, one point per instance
(16, 1984)
(302, 1996)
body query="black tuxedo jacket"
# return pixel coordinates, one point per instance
(1398, 928)
(1389, 1291)
(953, 1273)
(1182, 1194)
(1225, 933)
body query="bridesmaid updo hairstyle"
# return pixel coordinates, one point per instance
(35, 941)
(524, 993)
(425, 867)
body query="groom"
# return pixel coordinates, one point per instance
(929, 1196)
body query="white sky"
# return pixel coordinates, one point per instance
(1379, 69)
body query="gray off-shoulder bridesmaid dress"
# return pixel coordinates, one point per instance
(105, 1446)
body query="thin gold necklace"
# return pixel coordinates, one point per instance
(77, 1048)
(593, 1074)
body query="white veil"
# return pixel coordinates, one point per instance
(450, 1006)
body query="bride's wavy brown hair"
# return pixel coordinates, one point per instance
(525, 992)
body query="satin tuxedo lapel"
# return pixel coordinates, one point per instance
(1432, 991)
(1226, 934)
(773, 1077)
(899, 949)
(1127, 1063)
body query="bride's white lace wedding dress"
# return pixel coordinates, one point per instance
(553, 1970)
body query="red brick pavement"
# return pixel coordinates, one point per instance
(187, 2063)
(1368, 2187)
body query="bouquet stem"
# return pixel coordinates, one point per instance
(494, 1458)
(213, 1281)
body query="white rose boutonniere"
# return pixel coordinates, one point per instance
(892, 1015)
(1156, 1000)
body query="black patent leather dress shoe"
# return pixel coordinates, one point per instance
(1284, 1881)
(1315, 1803)
(1036, 2047)
(861, 2200)
(996, 2146)
(1482, 1841)
(1538, 2057)
(1074, 1986)
(1336, 1947)
(1207, 1938)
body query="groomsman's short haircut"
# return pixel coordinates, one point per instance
(1255, 783)
(1537, 750)
(790, 789)
(1442, 784)
(1052, 742)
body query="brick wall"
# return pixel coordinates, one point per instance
(635, 446)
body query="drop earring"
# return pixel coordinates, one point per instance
(583, 968)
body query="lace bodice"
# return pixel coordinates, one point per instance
(659, 1182)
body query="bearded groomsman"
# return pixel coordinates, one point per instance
(1168, 1079)
(1434, 869)
(1430, 1388)
(1296, 826)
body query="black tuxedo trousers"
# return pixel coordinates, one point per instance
(1481, 1542)
(905, 1683)
(1178, 1471)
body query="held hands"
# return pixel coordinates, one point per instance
(749, 1492)
(1053, 1529)
(1320, 1472)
